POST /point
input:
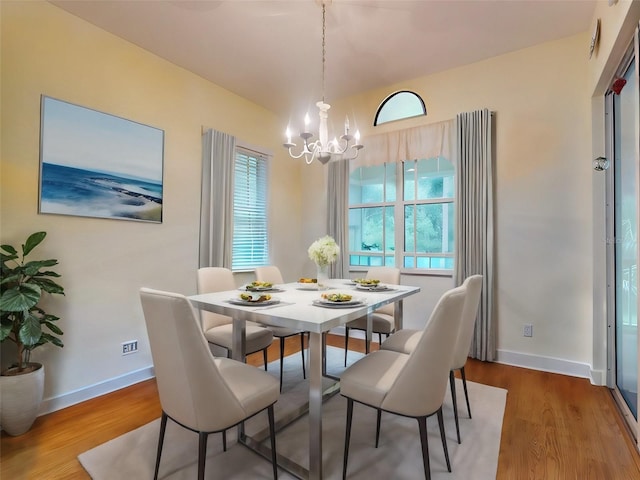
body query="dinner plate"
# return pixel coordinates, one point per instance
(249, 288)
(245, 303)
(373, 288)
(311, 287)
(328, 304)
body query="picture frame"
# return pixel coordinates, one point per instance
(94, 164)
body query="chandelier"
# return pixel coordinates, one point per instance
(324, 149)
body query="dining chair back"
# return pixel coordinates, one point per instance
(383, 318)
(198, 391)
(386, 275)
(463, 344)
(214, 279)
(270, 274)
(218, 329)
(410, 385)
(273, 275)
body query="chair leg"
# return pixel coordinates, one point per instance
(379, 338)
(324, 351)
(304, 369)
(347, 437)
(378, 426)
(264, 358)
(202, 453)
(163, 427)
(452, 384)
(443, 437)
(272, 434)
(424, 441)
(281, 360)
(224, 440)
(346, 344)
(466, 394)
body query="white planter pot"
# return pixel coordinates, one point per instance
(20, 399)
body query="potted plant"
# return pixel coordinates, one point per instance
(28, 326)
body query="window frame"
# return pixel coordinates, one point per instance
(385, 103)
(261, 222)
(399, 205)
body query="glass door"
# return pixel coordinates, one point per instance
(622, 110)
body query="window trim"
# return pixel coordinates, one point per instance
(399, 205)
(391, 96)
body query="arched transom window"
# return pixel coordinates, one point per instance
(400, 105)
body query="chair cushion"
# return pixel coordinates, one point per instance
(258, 338)
(370, 378)
(381, 323)
(254, 388)
(403, 341)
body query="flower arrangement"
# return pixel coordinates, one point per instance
(324, 251)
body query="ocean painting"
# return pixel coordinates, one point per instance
(93, 164)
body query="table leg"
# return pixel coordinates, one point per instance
(315, 406)
(238, 340)
(398, 315)
(368, 333)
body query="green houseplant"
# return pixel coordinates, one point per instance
(28, 326)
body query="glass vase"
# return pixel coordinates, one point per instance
(322, 276)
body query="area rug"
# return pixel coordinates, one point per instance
(398, 456)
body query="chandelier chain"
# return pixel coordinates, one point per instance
(324, 10)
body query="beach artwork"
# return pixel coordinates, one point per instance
(93, 164)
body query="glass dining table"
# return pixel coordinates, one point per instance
(302, 307)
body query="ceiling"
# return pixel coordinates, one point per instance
(270, 51)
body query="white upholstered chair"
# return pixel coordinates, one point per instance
(273, 275)
(405, 341)
(411, 385)
(200, 392)
(218, 328)
(383, 319)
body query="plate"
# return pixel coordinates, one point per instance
(328, 304)
(373, 288)
(245, 303)
(311, 286)
(250, 288)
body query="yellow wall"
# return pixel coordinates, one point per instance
(542, 192)
(104, 262)
(541, 96)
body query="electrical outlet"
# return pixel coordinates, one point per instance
(129, 347)
(528, 330)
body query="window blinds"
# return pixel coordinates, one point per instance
(250, 240)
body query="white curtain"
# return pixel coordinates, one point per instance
(337, 211)
(427, 141)
(216, 202)
(474, 224)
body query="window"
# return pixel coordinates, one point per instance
(250, 241)
(399, 105)
(402, 215)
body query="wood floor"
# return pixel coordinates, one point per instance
(555, 427)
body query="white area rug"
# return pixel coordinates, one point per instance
(132, 455)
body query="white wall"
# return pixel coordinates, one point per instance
(103, 263)
(542, 190)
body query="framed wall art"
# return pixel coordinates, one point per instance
(94, 164)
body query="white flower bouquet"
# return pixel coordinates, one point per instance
(324, 251)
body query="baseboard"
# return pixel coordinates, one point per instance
(550, 364)
(57, 403)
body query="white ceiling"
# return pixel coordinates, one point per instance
(270, 51)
